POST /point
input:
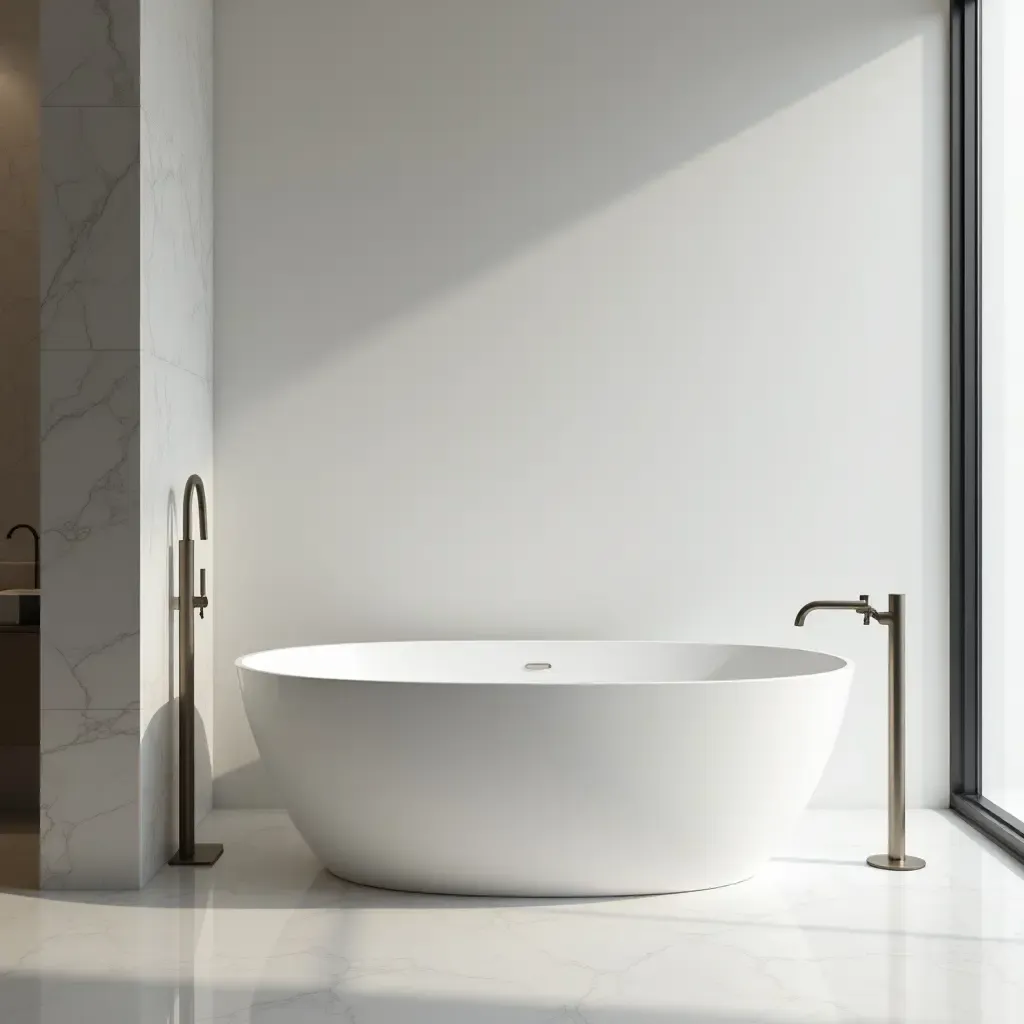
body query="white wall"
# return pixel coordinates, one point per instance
(583, 319)
(176, 389)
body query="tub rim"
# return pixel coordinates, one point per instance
(245, 662)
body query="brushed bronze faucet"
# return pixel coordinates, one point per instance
(896, 859)
(189, 852)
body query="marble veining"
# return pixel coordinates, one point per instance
(89, 210)
(89, 799)
(90, 52)
(88, 312)
(90, 531)
(267, 936)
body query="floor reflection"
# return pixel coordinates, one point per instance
(267, 937)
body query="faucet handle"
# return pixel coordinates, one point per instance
(864, 600)
(203, 600)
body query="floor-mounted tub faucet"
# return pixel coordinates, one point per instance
(895, 619)
(189, 852)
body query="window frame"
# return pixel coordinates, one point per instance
(966, 679)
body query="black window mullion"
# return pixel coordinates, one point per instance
(966, 342)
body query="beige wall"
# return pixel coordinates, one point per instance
(19, 284)
(19, 406)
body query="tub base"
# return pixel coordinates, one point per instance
(529, 893)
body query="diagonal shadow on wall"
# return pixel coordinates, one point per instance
(414, 146)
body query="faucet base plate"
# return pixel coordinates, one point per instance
(205, 855)
(887, 863)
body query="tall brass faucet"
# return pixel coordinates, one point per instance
(189, 852)
(896, 859)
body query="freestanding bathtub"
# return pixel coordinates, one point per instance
(547, 768)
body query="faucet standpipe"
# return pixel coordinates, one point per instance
(896, 859)
(190, 853)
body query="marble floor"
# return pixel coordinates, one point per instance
(267, 937)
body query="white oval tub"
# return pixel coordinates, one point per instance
(624, 768)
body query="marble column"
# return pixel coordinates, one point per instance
(89, 296)
(113, 227)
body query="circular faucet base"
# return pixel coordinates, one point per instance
(887, 863)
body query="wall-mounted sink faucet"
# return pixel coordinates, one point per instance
(35, 548)
(896, 859)
(189, 852)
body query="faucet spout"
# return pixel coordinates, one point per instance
(35, 542)
(194, 485)
(862, 607)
